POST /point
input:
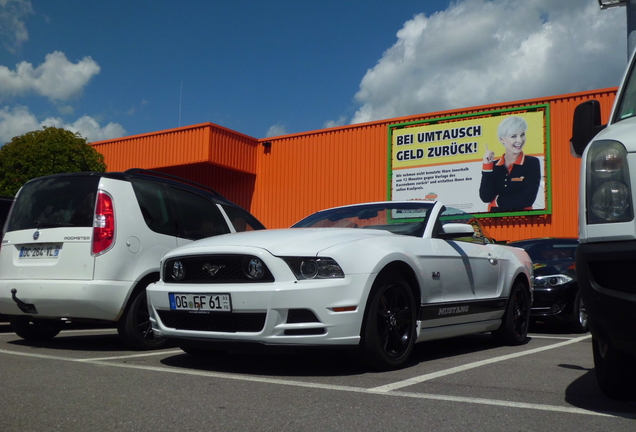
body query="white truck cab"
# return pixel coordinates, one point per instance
(606, 256)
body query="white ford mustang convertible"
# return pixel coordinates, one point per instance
(376, 277)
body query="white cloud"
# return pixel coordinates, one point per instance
(479, 52)
(16, 121)
(19, 120)
(335, 123)
(13, 31)
(57, 78)
(276, 130)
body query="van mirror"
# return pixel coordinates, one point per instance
(585, 126)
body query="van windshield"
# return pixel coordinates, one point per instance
(626, 108)
(55, 202)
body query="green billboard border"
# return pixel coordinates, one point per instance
(548, 157)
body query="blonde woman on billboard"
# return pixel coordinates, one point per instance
(511, 182)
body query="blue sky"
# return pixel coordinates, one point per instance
(115, 68)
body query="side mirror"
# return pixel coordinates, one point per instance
(585, 126)
(456, 230)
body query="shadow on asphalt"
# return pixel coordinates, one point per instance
(108, 341)
(318, 362)
(584, 393)
(306, 363)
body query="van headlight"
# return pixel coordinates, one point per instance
(608, 188)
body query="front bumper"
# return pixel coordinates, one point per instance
(298, 313)
(605, 273)
(556, 301)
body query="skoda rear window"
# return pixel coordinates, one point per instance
(55, 202)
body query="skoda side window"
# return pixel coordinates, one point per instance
(84, 246)
(199, 217)
(154, 206)
(241, 220)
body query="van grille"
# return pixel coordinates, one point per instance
(215, 322)
(213, 269)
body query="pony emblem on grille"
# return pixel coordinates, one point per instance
(212, 269)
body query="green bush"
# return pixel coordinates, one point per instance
(39, 153)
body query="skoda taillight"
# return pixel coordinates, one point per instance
(104, 224)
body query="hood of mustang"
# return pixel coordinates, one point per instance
(285, 242)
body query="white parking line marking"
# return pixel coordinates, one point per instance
(65, 332)
(148, 354)
(375, 392)
(427, 377)
(104, 330)
(552, 337)
(261, 380)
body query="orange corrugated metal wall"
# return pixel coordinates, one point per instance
(302, 173)
(296, 175)
(216, 157)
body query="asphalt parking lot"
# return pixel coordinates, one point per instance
(86, 380)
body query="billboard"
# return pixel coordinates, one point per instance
(492, 163)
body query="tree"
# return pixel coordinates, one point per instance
(39, 153)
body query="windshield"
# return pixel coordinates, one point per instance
(626, 108)
(546, 251)
(396, 217)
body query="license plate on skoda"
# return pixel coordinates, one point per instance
(202, 303)
(43, 251)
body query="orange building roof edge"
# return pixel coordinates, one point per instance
(177, 129)
(395, 120)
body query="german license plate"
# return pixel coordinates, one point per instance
(200, 302)
(43, 251)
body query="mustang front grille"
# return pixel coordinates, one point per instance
(216, 269)
(215, 322)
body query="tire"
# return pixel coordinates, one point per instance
(516, 319)
(134, 326)
(579, 315)
(388, 333)
(33, 329)
(615, 372)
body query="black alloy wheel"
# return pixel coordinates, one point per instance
(135, 328)
(516, 319)
(390, 318)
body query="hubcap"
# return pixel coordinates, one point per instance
(582, 314)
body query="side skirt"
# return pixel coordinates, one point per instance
(442, 320)
(428, 334)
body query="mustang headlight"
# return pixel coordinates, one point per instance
(608, 188)
(551, 281)
(314, 268)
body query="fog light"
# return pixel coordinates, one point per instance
(254, 268)
(178, 272)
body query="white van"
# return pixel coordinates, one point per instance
(84, 246)
(606, 256)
